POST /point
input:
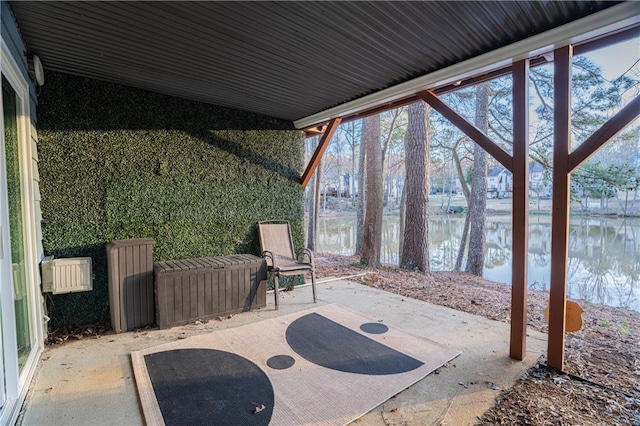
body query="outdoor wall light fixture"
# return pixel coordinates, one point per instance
(36, 72)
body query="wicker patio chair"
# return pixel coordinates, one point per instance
(277, 248)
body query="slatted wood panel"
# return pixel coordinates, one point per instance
(130, 266)
(191, 289)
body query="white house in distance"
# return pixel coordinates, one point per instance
(499, 183)
(539, 185)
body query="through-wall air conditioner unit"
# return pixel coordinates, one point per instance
(66, 275)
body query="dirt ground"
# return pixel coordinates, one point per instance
(601, 381)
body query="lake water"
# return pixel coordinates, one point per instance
(604, 253)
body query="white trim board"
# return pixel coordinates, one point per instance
(17, 385)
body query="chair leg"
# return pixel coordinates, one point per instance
(275, 288)
(313, 285)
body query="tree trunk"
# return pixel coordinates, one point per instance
(463, 243)
(352, 182)
(311, 215)
(449, 198)
(314, 210)
(460, 172)
(310, 193)
(339, 173)
(415, 250)
(322, 199)
(403, 208)
(387, 140)
(478, 201)
(372, 235)
(362, 197)
(467, 196)
(385, 148)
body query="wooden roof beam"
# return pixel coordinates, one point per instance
(469, 129)
(605, 133)
(315, 131)
(319, 152)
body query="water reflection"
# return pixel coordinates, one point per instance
(604, 253)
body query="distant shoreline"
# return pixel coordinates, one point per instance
(495, 207)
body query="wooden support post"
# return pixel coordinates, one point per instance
(469, 129)
(520, 235)
(317, 155)
(560, 212)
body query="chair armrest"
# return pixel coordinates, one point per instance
(267, 255)
(305, 253)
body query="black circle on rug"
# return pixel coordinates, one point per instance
(207, 386)
(281, 362)
(374, 328)
(331, 345)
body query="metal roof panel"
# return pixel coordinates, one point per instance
(283, 59)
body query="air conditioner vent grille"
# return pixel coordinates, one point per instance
(66, 275)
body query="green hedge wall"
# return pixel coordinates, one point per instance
(118, 162)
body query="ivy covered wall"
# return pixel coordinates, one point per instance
(118, 162)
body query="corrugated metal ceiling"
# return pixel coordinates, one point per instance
(284, 59)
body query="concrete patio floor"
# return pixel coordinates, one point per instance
(90, 382)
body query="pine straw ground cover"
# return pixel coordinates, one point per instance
(602, 386)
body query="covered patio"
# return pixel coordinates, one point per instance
(90, 381)
(148, 100)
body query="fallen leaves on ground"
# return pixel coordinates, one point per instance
(63, 334)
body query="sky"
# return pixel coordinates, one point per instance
(617, 58)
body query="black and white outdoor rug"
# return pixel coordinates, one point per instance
(323, 366)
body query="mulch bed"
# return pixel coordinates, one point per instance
(601, 381)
